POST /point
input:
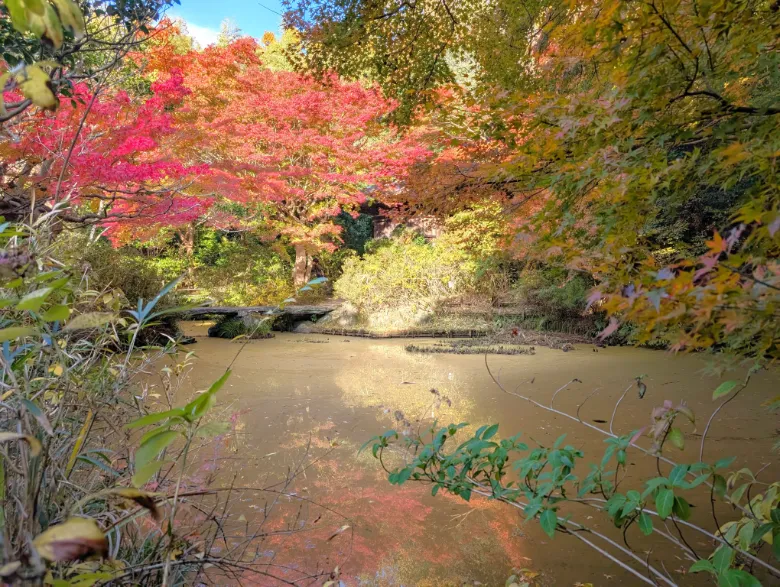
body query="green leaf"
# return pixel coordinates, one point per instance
(719, 485)
(654, 484)
(664, 502)
(729, 578)
(645, 524)
(722, 558)
(14, 332)
(38, 414)
(196, 408)
(89, 320)
(99, 464)
(490, 432)
(681, 508)
(143, 474)
(149, 450)
(213, 429)
(34, 300)
(18, 14)
(549, 521)
(154, 418)
(723, 463)
(677, 475)
(744, 579)
(746, 535)
(702, 565)
(55, 313)
(724, 389)
(676, 438)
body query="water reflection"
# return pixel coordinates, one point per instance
(307, 407)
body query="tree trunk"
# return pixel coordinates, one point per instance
(302, 268)
(187, 236)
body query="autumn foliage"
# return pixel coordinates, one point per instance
(282, 149)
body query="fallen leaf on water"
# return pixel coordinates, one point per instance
(339, 531)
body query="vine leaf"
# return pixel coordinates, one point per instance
(664, 502)
(549, 520)
(645, 524)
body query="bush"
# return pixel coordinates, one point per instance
(233, 326)
(124, 269)
(86, 458)
(240, 271)
(553, 290)
(407, 276)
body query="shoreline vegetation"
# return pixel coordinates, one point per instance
(500, 177)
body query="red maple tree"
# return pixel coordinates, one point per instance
(291, 152)
(105, 155)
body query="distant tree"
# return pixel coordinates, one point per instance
(229, 31)
(286, 153)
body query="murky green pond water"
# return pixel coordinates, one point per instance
(307, 403)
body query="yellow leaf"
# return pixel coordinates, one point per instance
(56, 370)
(71, 17)
(46, 25)
(142, 498)
(36, 87)
(80, 439)
(73, 539)
(35, 445)
(89, 320)
(9, 569)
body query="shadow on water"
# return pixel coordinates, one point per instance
(319, 398)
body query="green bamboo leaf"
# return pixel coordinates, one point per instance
(14, 332)
(89, 320)
(34, 300)
(724, 389)
(55, 313)
(197, 407)
(154, 418)
(146, 472)
(99, 464)
(149, 450)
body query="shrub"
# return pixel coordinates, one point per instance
(123, 269)
(553, 290)
(408, 276)
(76, 403)
(248, 326)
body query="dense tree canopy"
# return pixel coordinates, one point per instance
(639, 130)
(283, 150)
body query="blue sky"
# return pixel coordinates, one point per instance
(204, 16)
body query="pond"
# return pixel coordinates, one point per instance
(306, 403)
